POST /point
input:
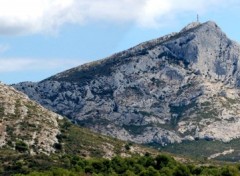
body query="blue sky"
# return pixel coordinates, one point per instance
(39, 38)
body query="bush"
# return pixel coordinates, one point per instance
(21, 146)
(57, 146)
(230, 171)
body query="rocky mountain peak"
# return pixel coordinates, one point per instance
(197, 27)
(190, 26)
(207, 49)
(182, 86)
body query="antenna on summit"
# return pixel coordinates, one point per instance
(197, 18)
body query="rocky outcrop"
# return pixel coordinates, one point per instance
(26, 123)
(182, 86)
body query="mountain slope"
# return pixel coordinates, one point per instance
(25, 125)
(34, 138)
(75, 145)
(183, 86)
(77, 141)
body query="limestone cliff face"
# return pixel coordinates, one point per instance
(178, 87)
(26, 122)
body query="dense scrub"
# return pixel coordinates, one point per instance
(161, 165)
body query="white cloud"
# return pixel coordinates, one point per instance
(36, 16)
(8, 65)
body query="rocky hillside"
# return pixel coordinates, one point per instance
(26, 125)
(33, 138)
(29, 129)
(183, 86)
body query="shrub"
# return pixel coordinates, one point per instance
(21, 146)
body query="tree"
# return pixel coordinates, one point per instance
(129, 173)
(162, 161)
(119, 165)
(150, 172)
(181, 170)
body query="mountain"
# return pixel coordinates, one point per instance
(180, 87)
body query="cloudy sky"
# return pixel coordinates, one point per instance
(39, 38)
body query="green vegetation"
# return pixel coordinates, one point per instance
(74, 142)
(207, 113)
(180, 111)
(161, 165)
(146, 113)
(82, 152)
(21, 146)
(191, 149)
(83, 142)
(135, 129)
(1, 110)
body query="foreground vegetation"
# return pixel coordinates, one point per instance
(161, 165)
(192, 150)
(74, 142)
(82, 152)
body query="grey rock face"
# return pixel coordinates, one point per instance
(178, 87)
